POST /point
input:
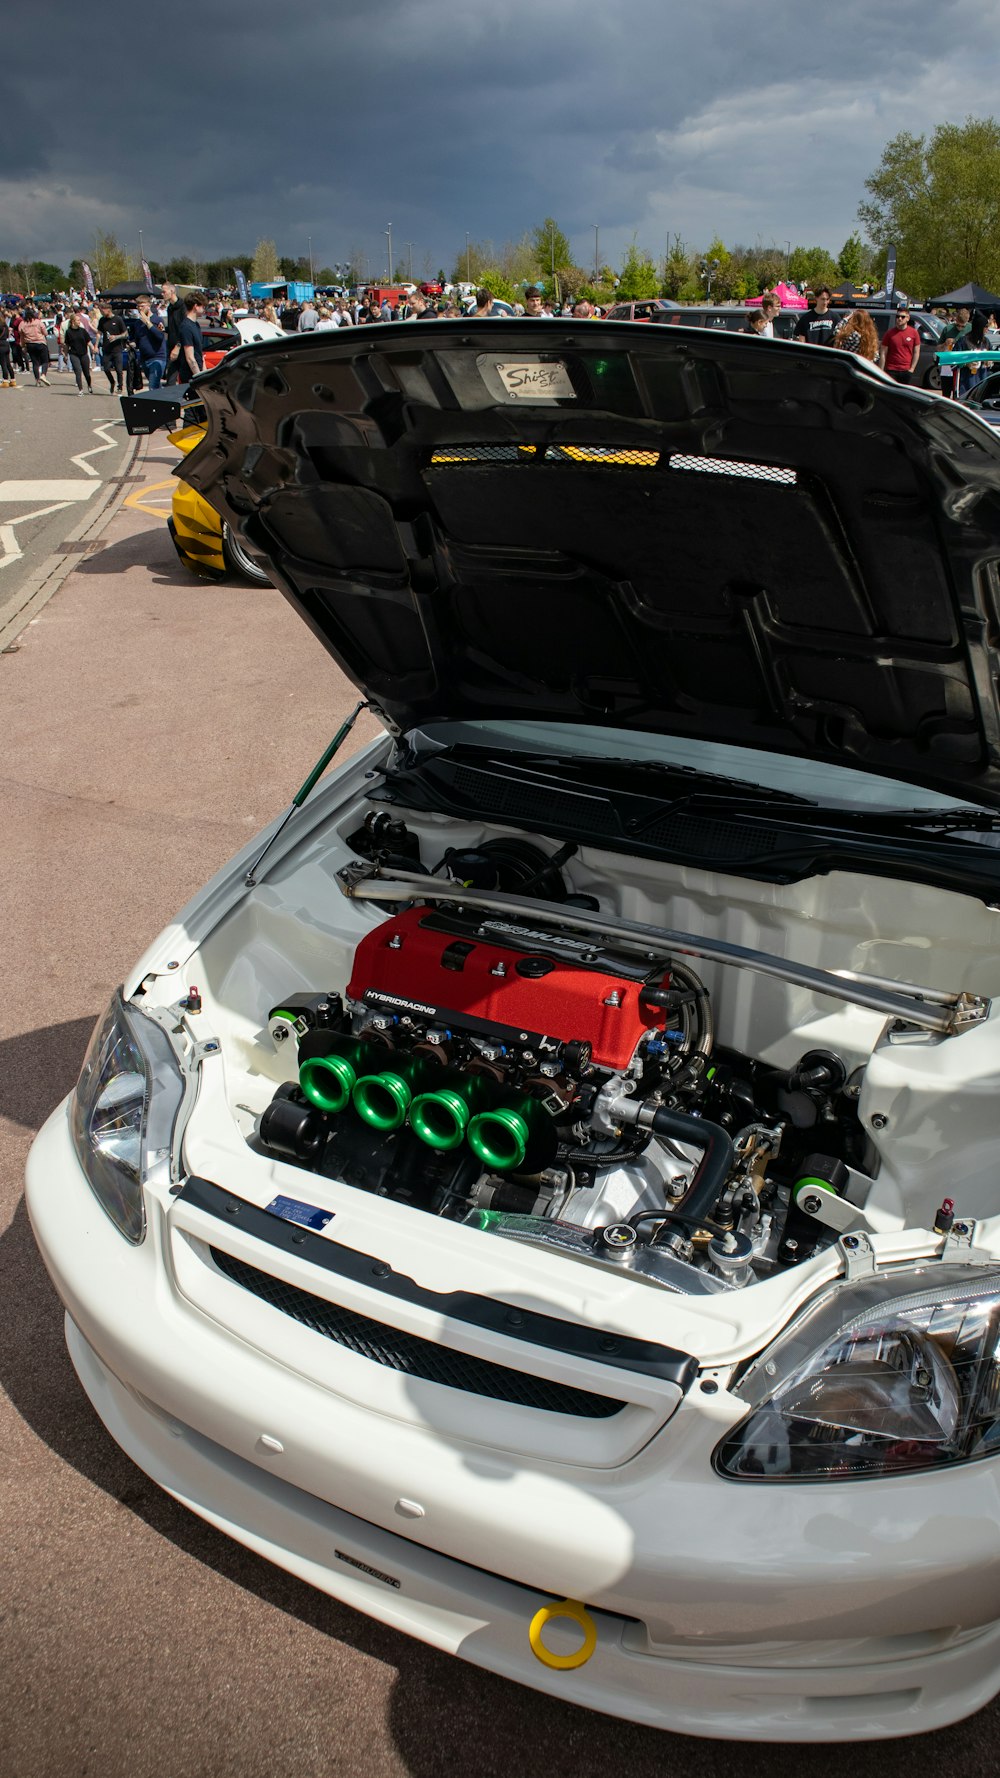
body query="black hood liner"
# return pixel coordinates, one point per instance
(702, 535)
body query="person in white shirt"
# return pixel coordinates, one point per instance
(770, 308)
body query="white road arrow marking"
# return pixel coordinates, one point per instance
(111, 443)
(12, 551)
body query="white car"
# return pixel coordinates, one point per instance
(254, 330)
(563, 1221)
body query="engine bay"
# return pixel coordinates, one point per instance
(552, 1087)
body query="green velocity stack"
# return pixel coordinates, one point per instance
(441, 1118)
(328, 1080)
(514, 1137)
(384, 1099)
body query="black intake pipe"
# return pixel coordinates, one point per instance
(712, 1171)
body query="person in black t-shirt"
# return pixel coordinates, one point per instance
(175, 315)
(818, 325)
(114, 337)
(190, 356)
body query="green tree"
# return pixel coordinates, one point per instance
(45, 277)
(181, 270)
(714, 271)
(550, 248)
(518, 261)
(638, 277)
(264, 266)
(490, 277)
(851, 259)
(763, 267)
(112, 263)
(677, 269)
(813, 266)
(938, 201)
(471, 261)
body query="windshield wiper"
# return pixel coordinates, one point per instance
(588, 771)
(922, 820)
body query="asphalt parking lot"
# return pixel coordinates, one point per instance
(151, 724)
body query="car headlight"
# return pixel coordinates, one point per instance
(123, 1112)
(865, 1386)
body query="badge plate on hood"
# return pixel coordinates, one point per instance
(530, 379)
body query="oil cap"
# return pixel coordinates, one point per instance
(534, 967)
(617, 1241)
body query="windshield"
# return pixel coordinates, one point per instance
(833, 786)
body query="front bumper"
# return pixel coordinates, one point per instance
(838, 1612)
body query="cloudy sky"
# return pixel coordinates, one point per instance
(208, 127)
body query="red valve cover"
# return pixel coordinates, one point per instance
(410, 965)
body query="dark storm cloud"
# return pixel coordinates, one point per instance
(24, 131)
(218, 126)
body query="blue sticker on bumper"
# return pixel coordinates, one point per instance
(293, 1210)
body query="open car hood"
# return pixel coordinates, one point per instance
(646, 528)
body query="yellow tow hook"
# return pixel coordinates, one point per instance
(569, 1608)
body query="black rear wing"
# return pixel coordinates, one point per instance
(153, 410)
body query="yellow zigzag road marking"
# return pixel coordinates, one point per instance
(137, 501)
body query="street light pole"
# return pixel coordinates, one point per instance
(312, 274)
(409, 258)
(388, 236)
(552, 251)
(468, 260)
(597, 254)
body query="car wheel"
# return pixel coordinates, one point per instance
(240, 561)
(932, 378)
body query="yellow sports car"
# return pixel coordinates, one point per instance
(204, 542)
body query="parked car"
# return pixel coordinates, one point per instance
(204, 542)
(655, 309)
(543, 1191)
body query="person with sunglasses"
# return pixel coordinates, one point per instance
(900, 348)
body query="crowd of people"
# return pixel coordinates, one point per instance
(157, 337)
(149, 341)
(374, 306)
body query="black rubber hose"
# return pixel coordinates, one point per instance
(608, 1157)
(712, 1171)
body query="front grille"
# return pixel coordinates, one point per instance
(408, 1353)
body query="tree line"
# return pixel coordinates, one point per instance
(936, 198)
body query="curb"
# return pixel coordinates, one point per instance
(49, 577)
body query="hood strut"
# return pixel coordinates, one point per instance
(305, 789)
